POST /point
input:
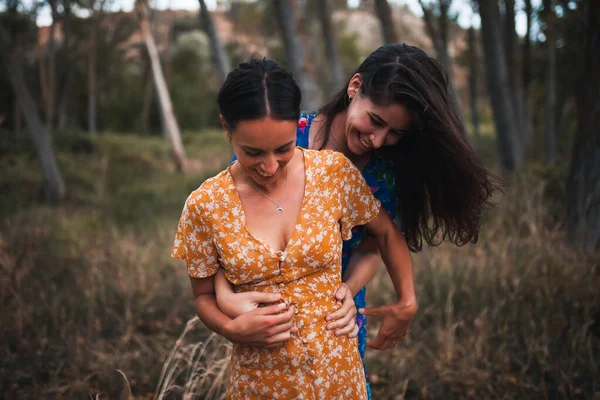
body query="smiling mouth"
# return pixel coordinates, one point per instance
(265, 175)
(363, 142)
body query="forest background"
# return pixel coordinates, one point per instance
(108, 119)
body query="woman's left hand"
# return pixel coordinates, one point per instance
(344, 319)
(396, 319)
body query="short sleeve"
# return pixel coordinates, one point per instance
(358, 204)
(193, 242)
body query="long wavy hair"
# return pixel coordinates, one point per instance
(442, 184)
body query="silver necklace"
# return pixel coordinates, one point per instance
(279, 209)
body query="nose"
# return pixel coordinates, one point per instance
(270, 165)
(378, 137)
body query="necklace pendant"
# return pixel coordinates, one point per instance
(279, 210)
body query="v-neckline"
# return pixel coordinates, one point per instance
(264, 244)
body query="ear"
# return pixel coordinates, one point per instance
(225, 126)
(354, 86)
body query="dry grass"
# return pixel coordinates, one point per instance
(93, 307)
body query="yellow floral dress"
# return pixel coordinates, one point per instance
(212, 234)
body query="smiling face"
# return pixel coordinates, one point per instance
(263, 147)
(370, 126)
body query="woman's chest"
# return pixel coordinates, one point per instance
(313, 244)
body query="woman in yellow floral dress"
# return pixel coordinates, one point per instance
(274, 221)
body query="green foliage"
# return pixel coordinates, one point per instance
(193, 94)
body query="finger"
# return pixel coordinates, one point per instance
(354, 333)
(345, 309)
(283, 317)
(377, 343)
(374, 311)
(343, 321)
(279, 328)
(260, 297)
(341, 292)
(278, 340)
(271, 310)
(346, 329)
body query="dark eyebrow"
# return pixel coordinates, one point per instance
(280, 147)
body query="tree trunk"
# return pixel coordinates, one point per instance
(92, 77)
(473, 74)
(509, 144)
(527, 50)
(295, 55)
(219, 55)
(333, 58)
(17, 118)
(162, 90)
(386, 16)
(583, 184)
(438, 32)
(54, 186)
(50, 105)
(514, 68)
(550, 111)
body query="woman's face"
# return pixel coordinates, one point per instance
(263, 147)
(370, 126)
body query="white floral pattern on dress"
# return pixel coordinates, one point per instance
(212, 234)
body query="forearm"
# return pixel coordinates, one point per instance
(360, 270)
(209, 313)
(396, 256)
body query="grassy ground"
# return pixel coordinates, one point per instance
(93, 305)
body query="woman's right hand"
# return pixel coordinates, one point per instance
(267, 327)
(235, 304)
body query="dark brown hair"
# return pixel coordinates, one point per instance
(257, 88)
(442, 185)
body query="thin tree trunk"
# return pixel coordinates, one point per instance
(509, 144)
(514, 68)
(92, 77)
(583, 184)
(17, 119)
(527, 50)
(550, 112)
(386, 16)
(50, 105)
(219, 55)
(54, 186)
(295, 55)
(333, 58)
(473, 75)
(439, 36)
(162, 90)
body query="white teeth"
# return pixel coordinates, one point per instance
(263, 175)
(363, 142)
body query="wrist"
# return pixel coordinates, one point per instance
(409, 301)
(229, 330)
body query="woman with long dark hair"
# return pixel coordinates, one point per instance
(395, 120)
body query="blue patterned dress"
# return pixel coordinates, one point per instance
(381, 178)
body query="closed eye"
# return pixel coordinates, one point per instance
(375, 122)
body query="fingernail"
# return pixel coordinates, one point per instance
(282, 305)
